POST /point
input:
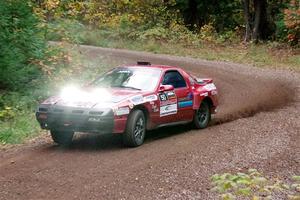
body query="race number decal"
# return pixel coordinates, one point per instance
(163, 97)
(168, 103)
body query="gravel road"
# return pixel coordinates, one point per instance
(257, 126)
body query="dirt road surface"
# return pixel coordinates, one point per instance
(257, 126)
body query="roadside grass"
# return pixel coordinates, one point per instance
(17, 130)
(17, 116)
(261, 55)
(271, 55)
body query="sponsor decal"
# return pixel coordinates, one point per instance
(170, 94)
(205, 94)
(183, 99)
(92, 119)
(122, 111)
(187, 98)
(163, 103)
(139, 99)
(154, 108)
(210, 87)
(168, 109)
(184, 104)
(150, 98)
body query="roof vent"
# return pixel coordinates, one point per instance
(143, 63)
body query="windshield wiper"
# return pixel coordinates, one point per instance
(129, 87)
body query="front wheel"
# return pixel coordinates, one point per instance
(202, 116)
(135, 129)
(63, 138)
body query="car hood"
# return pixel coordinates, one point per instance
(92, 97)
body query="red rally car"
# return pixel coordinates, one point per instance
(130, 100)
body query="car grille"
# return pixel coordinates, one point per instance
(96, 113)
(77, 111)
(58, 110)
(43, 109)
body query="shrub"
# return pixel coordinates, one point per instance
(21, 43)
(292, 22)
(253, 185)
(67, 30)
(208, 32)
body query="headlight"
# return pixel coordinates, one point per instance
(72, 93)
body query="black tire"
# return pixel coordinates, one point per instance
(202, 115)
(63, 138)
(135, 129)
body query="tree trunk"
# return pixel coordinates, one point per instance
(265, 26)
(247, 20)
(257, 20)
(193, 18)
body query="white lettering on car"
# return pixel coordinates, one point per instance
(122, 111)
(168, 110)
(150, 98)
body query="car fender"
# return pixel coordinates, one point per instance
(202, 93)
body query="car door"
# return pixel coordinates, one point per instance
(182, 98)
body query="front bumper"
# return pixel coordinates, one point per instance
(76, 119)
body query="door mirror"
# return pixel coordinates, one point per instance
(164, 88)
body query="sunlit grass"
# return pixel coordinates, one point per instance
(260, 55)
(20, 128)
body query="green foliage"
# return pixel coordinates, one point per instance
(281, 31)
(7, 113)
(65, 30)
(253, 185)
(21, 44)
(217, 22)
(16, 131)
(17, 116)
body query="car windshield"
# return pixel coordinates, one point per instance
(136, 78)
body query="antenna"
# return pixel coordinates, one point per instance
(143, 63)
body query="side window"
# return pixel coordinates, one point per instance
(174, 78)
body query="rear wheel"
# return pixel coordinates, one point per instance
(63, 138)
(202, 116)
(135, 129)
